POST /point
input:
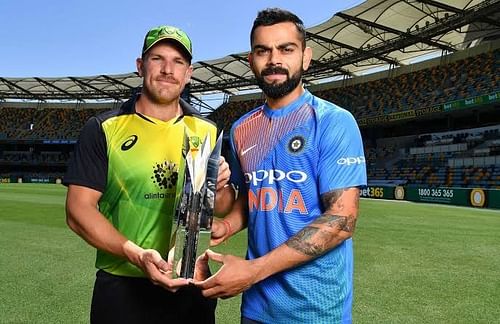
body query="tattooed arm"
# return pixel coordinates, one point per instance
(330, 229)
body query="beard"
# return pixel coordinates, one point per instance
(278, 90)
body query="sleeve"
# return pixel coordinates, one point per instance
(341, 158)
(237, 177)
(88, 166)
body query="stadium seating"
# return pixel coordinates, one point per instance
(467, 157)
(462, 79)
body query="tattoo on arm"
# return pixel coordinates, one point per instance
(314, 241)
(302, 242)
(324, 232)
(331, 198)
(343, 223)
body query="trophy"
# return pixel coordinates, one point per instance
(195, 200)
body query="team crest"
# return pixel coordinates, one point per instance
(296, 144)
(195, 143)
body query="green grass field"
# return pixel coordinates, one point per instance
(414, 263)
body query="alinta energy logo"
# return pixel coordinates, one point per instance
(165, 175)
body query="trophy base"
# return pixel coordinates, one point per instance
(186, 252)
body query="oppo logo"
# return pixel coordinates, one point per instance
(129, 142)
(351, 160)
(270, 176)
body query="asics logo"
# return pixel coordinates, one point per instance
(129, 142)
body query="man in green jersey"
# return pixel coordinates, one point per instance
(122, 187)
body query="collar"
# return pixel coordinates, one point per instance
(128, 107)
(291, 107)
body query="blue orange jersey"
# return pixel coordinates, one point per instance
(285, 160)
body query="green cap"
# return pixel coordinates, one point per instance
(167, 32)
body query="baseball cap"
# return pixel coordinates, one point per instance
(168, 32)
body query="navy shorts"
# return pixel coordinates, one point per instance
(118, 299)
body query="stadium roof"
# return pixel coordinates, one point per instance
(375, 34)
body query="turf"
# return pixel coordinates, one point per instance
(414, 263)
(424, 263)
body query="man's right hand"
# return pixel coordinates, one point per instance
(85, 219)
(155, 267)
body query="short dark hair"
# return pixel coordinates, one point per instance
(272, 16)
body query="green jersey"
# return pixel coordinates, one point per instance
(134, 161)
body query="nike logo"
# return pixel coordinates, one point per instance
(245, 151)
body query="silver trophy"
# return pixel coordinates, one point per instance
(195, 200)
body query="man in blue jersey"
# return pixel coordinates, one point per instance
(299, 164)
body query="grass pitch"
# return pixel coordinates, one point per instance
(414, 263)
